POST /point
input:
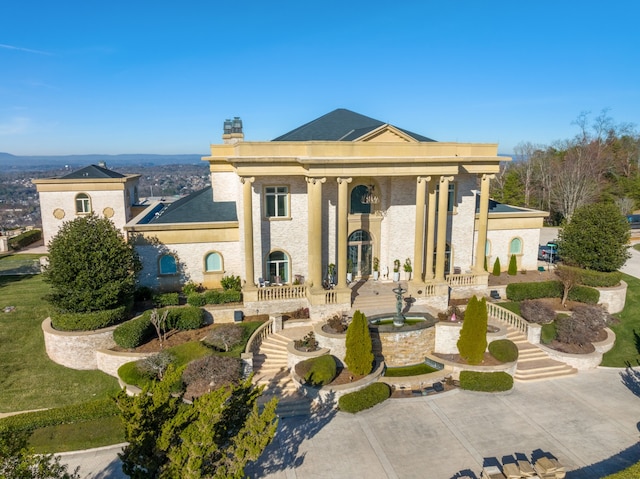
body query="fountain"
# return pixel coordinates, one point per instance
(398, 318)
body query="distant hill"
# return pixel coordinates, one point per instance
(9, 162)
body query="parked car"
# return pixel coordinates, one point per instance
(634, 221)
(548, 252)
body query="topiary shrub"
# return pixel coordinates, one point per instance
(365, 398)
(88, 321)
(213, 297)
(188, 317)
(473, 335)
(133, 333)
(541, 289)
(24, 239)
(224, 337)
(504, 350)
(496, 267)
(537, 312)
(359, 354)
(583, 326)
(485, 382)
(599, 279)
(318, 371)
(513, 266)
(229, 283)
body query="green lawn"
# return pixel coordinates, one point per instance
(627, 348)
(28, 378)
(18, 264)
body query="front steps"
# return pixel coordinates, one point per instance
(534, 364)
(271, 371)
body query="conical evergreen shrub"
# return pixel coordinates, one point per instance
(496, 267)
(513, 265)
(473, 335)
(359, 354)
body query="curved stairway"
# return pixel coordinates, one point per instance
(271, 371)
(533, 363)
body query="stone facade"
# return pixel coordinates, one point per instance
(406, 347)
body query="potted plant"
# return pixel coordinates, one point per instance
(407, 268)
(349, 270)
(376, 268)
(331, 272)
(396, 270)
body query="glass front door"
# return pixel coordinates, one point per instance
(359, 253)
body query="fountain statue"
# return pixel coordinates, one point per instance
(398, 318)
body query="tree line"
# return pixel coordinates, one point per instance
(600, 164)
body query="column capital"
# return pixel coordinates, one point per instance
(314, 181)
(341, 180)
(247, 179)
(487, 176)
(445, 178)
(420, 179)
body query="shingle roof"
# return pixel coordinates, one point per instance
(339, 125)
(92, 172)
(496, 207)
(197, 207)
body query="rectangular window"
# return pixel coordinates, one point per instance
(452, 197)
(276, 200)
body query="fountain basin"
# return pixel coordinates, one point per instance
(405, 345)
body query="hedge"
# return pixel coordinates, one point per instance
(584, 294)
(188, 317)
(63, 415)
(318, 371)
(548, 333)
(365, 398)
(25, 239)
(221, 297)
(504, 350)
(166, 299)
(537, 290)
(632, 472)
(88, 321)
(485, 382)
(597, 279)
(135, 332)
(196, 299)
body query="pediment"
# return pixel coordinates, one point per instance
(388, 134)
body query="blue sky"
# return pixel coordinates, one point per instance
(114, 77)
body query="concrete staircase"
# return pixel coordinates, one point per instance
(270, 370)
(373, 297)
(533, 363)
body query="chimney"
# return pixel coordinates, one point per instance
(232, 131)
(102, 164)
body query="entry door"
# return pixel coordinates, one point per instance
(360, 253)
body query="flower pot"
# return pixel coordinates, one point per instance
(376, 275)
(349, 277)
(396, 276)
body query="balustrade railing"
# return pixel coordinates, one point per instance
(259, 335)
(330, 297)
(512, 319)
(278, 293)
(462, 279)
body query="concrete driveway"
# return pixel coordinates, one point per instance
(589, 422)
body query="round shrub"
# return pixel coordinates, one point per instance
(88, 321)
(584, 294)
(485, 382)
(225, 336)
(548, 333)
(504, 350)
(537, 312)
(188, 317)
(317, 371)
(209, 373)
(133, 333)
(365, 398)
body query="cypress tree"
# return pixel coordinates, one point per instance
(496, 267)
(473, 335)
(513, 265)
(359, 354)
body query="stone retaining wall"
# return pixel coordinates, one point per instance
(405, 348)
(583, 362)
(76, 349)
(335, 342)
(456, 368)
(294, 356)
(110, 361)
(613, 299)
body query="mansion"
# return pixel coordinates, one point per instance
(343, 197)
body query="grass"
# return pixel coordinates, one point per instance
(79, 435)
(19, 264)
(626, 350)
(413, 370)
(28, 378)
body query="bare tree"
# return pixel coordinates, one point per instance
(160, 324)
(569, 277)
(524, 153)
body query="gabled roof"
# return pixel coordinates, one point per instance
(340, 125)
(92, 172)
(197, 207)
(497, 207)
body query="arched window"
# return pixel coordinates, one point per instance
(167, 264)
(213, 262)
(357, 196)
(278, 267)
(83, 204)
(515, 247)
